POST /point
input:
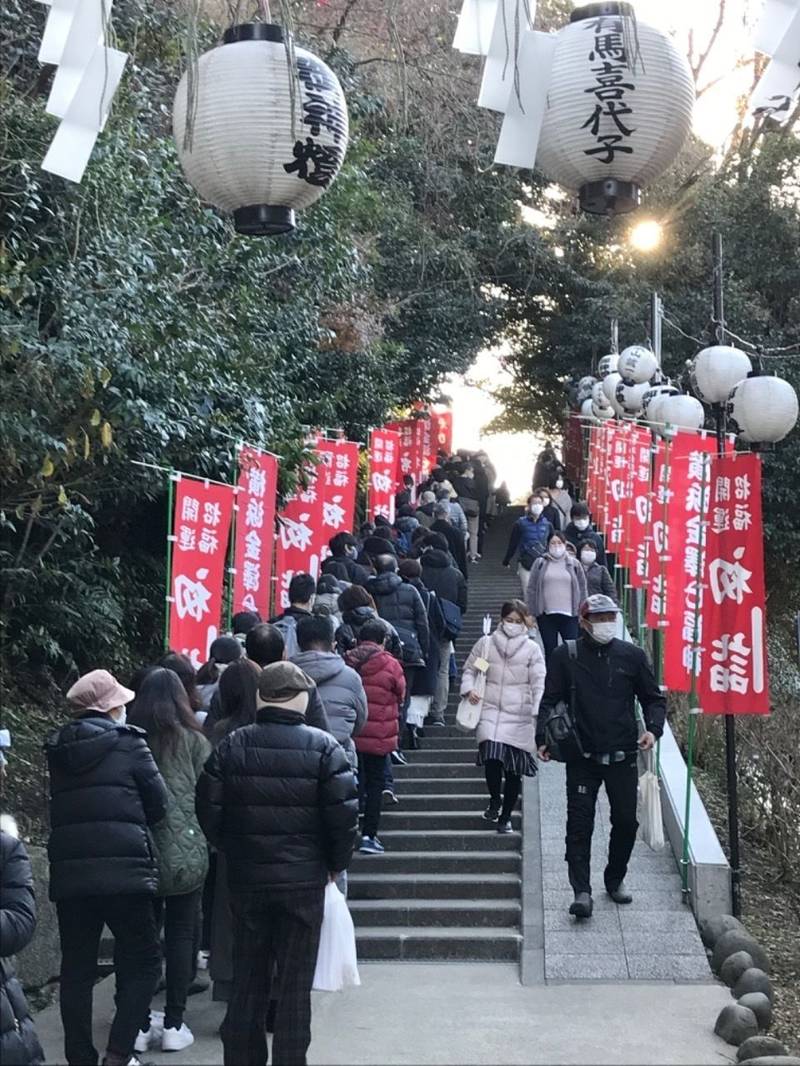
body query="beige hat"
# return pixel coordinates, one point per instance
(282, 682)
(98, 691)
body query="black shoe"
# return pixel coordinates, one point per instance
(504, 827)
(398, 758)
(388, 797)
(435, 723)
(412, 740)
(583, 905)
(620, 894)
(491, 814)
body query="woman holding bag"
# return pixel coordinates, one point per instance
(514, 670)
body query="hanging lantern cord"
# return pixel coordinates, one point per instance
(265, 11)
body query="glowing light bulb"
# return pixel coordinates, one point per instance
(646, 236)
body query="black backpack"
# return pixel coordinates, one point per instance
(562, 738)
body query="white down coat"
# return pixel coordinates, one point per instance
(514, 687)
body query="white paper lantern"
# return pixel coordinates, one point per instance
(602, 411)
(585, 386)
(610, 383)
(682, 412)
(586, 409)
(637, 364)
(716, 370)
(614, 121)
(652, 400)
(630, 397)
(608, 364)
(763, 409)
(245, 155)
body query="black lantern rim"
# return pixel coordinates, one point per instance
(264, 220)
(599, 9)
(254, 31)
(610, 197)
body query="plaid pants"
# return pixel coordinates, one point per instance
(275, 943)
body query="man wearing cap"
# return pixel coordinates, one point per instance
(105, 791)
(609, 675)
(279, 799)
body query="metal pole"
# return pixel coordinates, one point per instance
(168, 581)
(656, 309)
(615, 335)
(718, 334)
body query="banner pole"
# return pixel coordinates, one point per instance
(168, 581)
(229, 587)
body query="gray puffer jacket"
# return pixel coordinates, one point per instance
(342, 693)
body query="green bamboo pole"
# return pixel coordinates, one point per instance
(168, 582)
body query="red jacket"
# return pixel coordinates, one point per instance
(385, 685)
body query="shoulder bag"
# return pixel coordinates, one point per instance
(561, 731)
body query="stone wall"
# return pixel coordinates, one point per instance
(39, 962)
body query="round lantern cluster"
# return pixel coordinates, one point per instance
(256, 149)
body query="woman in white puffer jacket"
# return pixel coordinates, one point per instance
(507, 728)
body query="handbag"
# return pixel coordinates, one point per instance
(468, 714)
(337, 963)
(453, 619)
(651, 822)
(562, 738)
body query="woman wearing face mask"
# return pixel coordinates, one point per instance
(580, 529)
(598, 579)
(551, 512)
(556, 590)
(529, 536)
(561, 498)
(507, 728)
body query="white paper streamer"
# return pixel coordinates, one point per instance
(475, 24)
(510, 23)
(86, 115)
(519, 135)
(773, 24)
(85, 34)
(56, 30)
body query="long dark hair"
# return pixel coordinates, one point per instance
(238, 689)
(182, 666)
(162, 709)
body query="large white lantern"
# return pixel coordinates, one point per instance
(601, 408)
(682, 412)
(608, 364)
(257, 149)
(763, 409)
(637, 364)
(652, 400)
(618, 110)
(585, 386)
(610, 383)
(630, 397)
(716, 370)
(586, 409)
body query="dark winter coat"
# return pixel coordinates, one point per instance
(528, 535)
(347, 635)
(181, 849)
(554, 516)
(441, 577)
(575, 536)
(342, 693)
(598, 579)
(385, 686)
(279, 799)
(356, 574)
(455, 542)
(19, 1044)
(105, 793)
(424, 679)
(608, 678)
(400, 604)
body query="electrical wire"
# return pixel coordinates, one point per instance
(763, 353)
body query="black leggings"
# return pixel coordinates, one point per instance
(494, 781)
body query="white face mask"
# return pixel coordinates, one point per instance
(559, 484)
(123, 718)
(604, 632)
(581, 523)
(351, 551)
(587, 558)
(536, 509)
(514, 629)
(558, 551)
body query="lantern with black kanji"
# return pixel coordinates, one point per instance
(255, 138)
(619, 107)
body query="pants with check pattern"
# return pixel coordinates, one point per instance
(275, 943)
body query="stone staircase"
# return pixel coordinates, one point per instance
(448, 886)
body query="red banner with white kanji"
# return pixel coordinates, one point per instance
(639, 508)
(406, 455)
(384, 447)
(255, 531)
(424, 450)
(300, 535)
(442, 426)
(338, 476)
(733, 675)
(616, 487)
(201, 525)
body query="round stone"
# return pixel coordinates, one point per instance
(713, 928)
(754, 980)
(760, 1005)
(735, 940)
(734, 966)
(735, 1024)
(759, 1046)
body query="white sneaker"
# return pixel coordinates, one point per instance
(202, 959)
(151, 1038)
(177, 1039)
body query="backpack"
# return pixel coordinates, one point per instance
(288, 630)
(404, 543)
(453, 620)
(562, 739)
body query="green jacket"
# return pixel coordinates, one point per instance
(180, 846)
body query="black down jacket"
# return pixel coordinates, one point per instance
(105, 790)
(279, 799)
(19, 1045)
(441, 577)
(400, 604)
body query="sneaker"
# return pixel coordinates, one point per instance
(491, 814)
(177, 1039)
(202, 959)
(371, 846)
(389, 796)
(504, 827)
(398, 758)
(150, 1038)
(435, 723)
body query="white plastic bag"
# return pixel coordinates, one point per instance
(651, 824)
(468, 714)
(337, 965)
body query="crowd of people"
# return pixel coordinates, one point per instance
(209, 809)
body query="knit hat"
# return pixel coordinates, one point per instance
(98, 691)
(284, 684)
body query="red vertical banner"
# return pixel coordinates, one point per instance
(733, 667)
(300, 535)
(383, 458)
(406, 457)
(603, 464)
(617, 488)
(658, 547)
(201, 525)
(422, 449)
(338, 476)
(255, 531)
(639, 507)
(442, 425)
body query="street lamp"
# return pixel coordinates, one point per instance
(646, 235)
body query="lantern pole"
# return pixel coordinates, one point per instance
(717, 331)
(615, 335)
(655, 335)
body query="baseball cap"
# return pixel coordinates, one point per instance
(598, 604)
(282, 681)
(98, 691)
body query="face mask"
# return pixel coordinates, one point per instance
(123, 718)
(558, 551)
(536, 509)
(587, 558)
(604, 632)
(514, 629)
(352, 552)
(581, 523)
(559, 484)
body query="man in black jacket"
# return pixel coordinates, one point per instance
(455, 541)
(609, 674)
(105, 793)
(279, 799)
(401, 605)
(344, 551)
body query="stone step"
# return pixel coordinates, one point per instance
(447, 840)
(448, 801)
(439, 740)
(399, 943)
(440, 862)
(419, 786)
(421, 821)
(435, 912)
(432, 886)
(434, 754)
(433, 768)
